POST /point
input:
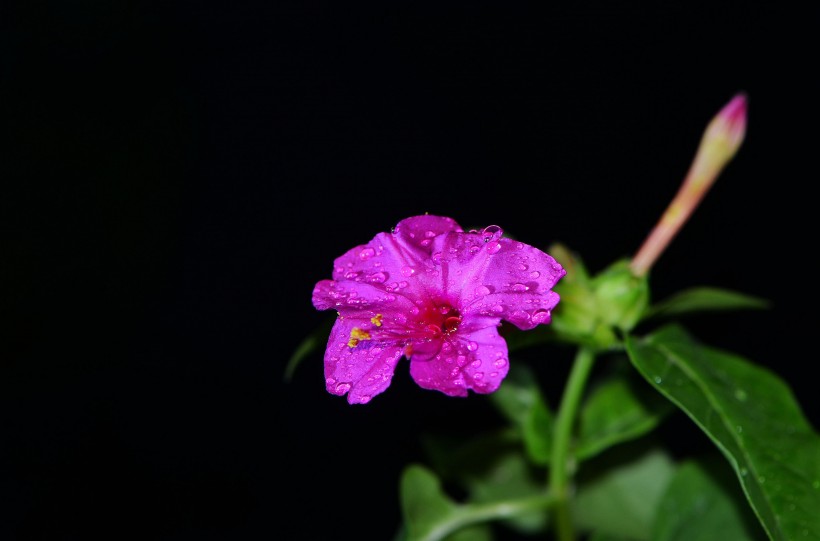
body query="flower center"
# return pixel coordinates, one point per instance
(447, 325)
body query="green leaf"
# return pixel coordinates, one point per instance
(519, 398)
(511, 477)
(430, 515)
(619, 492)
(313, 342)
(620, 409)
(752, 417)
(704, 503)
(703, 299)
(491, 468)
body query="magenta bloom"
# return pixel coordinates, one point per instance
(436, 294)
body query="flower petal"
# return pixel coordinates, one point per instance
(419, 231)
(499, 278)
(476, 361)
(392, 260)
(356, 299)
(361, 371)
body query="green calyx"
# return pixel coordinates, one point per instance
(595, 311)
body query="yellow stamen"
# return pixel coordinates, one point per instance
(356, 334)
(376, 320)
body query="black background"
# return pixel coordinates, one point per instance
(179, 175)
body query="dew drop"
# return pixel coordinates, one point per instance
(461, 360)
(541, 316)
(330, 382)
(436, 257)
(472, 346)
(493, 248)
(408, 271)
(523, 267)
(491, 232)
(476, 363)
(478, 375)
(429, 234)
(480, 291)
(500, 363)
(414, 310)
(740, 394)
(342, 388)
(426, 242)
(535, 274)
(520, 316)
(367, 253)
(658, 380)
(744, 472)
(377, 277)
(402, 284)
(519, 288)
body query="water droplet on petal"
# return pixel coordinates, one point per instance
(493, 247)
(520, 315)
(519, 288)
(377, 277)
(541, 316)
(426, 242)
(491, 232)
(478, 375)
(461, 360)
(472, 346)
(436, 257)
(500, 363)
(414, 310)
(402, 284)
(408, 271)
(476, 363)
(535, 274)
(342, 388)
(480, 291)
(367, 253)
(429, 234)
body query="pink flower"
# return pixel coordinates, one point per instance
(436, 294)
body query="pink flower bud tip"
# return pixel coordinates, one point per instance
(730, 122)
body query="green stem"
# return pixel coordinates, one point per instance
(559, 475)
(478, 513)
